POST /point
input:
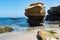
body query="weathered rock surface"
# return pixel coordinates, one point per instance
(46, 34)
(35, 13)
(6, 29)
(53, 14)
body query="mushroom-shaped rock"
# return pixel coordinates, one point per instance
(35, 13)
(36, 9)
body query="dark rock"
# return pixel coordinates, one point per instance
(53, 14)
(35, 13)
(13, 18)
(38, 36)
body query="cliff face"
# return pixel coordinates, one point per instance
(35, 13)
(53, 14)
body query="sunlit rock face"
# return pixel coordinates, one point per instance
(53, 14)
(35, 13)
(43, 34)
(4, 29)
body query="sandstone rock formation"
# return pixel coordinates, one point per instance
(35, 13)
(46, 35)
(53, 14)
(5, 29)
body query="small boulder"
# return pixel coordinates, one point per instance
(5, 29)
(45, 34)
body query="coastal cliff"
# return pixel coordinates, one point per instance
(53, 14)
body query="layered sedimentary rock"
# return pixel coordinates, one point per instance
(53, 14)
(35, 13)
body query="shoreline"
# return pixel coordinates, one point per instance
(30, 35)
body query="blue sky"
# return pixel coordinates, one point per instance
(16, 8)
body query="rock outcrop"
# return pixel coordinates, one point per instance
(35, 13)
(53, 14)
(4, 29)
(46, 35)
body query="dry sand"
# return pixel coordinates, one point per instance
(31, 35)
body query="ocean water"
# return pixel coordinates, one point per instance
(20, 24)
(9, 21)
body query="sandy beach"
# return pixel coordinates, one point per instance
(31, 35)
(27, 35)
